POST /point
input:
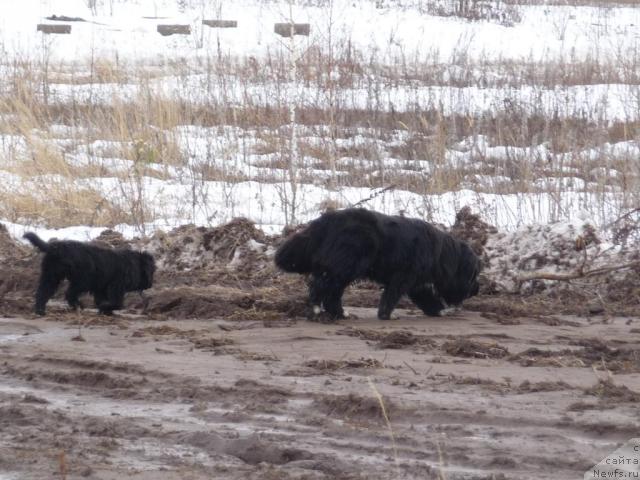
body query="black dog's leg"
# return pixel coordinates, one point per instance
(326, 291)
(100, 299)
(113, 299)
(316, 295)
(333, 300)
(72, 296)
(50, 279)
(392, 293)
(425, 298)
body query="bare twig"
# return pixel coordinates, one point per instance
(411, 368)
(579, 273)
(621, 217)
(373, 195)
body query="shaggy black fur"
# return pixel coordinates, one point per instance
(405, 255)
(104, 272)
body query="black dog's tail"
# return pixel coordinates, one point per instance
(294, 255)
(36, 241)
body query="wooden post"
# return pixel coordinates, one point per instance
(60, 29)
(290, 29)
(166, 30)
(220, 23)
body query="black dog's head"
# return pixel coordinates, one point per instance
(147, 269)
(463, 283)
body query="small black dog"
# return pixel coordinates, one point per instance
(104, 272)
(405, 255)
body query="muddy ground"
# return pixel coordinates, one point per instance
(469, 396)
(216, 374)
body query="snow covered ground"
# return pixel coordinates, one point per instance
(479, 73)
(126, 29)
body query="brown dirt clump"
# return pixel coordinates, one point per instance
(534, 387)
(15, 306)
(594, 353)
(485, 383)
(619, 360)
(187, 302)
(535, 357)
(267, 304)
(161, 330)
(609, 392)
(402, 338)
(393, 340)
(111, 239)
(211, 344)
(332, 365)
(472, 229)
(463, 347)
(361, 333)
(353, 406)
(198, 338)
(509, 306)
(397, 339)
(20, 268)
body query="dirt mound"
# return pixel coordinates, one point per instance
(555, 248)
(189, 247)
(550, 259)
(237, 258)
(472, 229)
(20, 268)
(111, 238)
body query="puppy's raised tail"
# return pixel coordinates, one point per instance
(36, 241)
(294, 255)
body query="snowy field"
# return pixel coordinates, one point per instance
(526, 113)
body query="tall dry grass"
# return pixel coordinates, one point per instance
(56, 124)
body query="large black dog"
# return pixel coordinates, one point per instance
(104, 272)
(405, 255)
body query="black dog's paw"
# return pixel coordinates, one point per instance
(319, 316)
(386, 315)
(40, 311)
(76, 305)
(324, 317)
